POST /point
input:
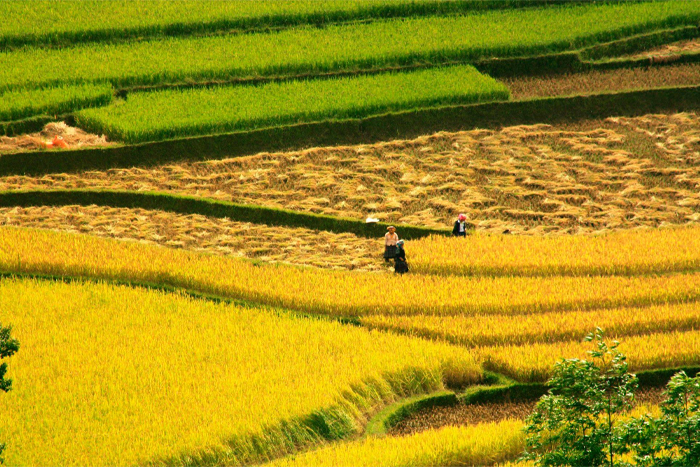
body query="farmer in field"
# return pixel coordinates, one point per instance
(400, 264)
(460, 227)
(390, 240)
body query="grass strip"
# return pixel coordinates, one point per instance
(171, 114)
(207, 207)
(16, 105)
(378, 44)
(65, 22)
(638, 43)
(381, 423)
(27, 125)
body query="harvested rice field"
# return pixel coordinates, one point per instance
(473, 414)
(619, 173)
(206, 234)
(597, 81)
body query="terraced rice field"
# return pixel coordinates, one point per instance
(113, 384)
(162, 336)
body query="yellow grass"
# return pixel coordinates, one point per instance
(483, 444)
(534, 362)
(542, 327)
(627, 252)
(111, 375)
(329, 292)
(207, 234)
(614, 174)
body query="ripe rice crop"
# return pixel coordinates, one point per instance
(483, 444)
(207, 234)
(337, 293)
(15, 105)
(620, 173)
(625, 252)
(378, 44)
(111, 375)
(550, 327)
(534, 362)
(171, 114)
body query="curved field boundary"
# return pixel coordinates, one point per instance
(262, 21)
(381, 423)
(207, 207)
(401, 125)
(504, 390)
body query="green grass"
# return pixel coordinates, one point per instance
(180, 113)
(15, 105)
(68, 21)
(378, 44)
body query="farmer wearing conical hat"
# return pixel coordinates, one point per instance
(390, 240)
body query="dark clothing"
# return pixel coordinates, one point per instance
(456, 230)
(400, 264)
(389, 252)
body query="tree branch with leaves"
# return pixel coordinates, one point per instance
(8, 347)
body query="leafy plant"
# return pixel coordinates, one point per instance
(673, 438)
(8, 347)
(575, 423)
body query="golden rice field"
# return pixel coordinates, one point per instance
(534, 362)
(485, 444)
(336, 293)
(618, 173)
(624, 252)
(194, 232)
(114, 375)
(495, 330)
